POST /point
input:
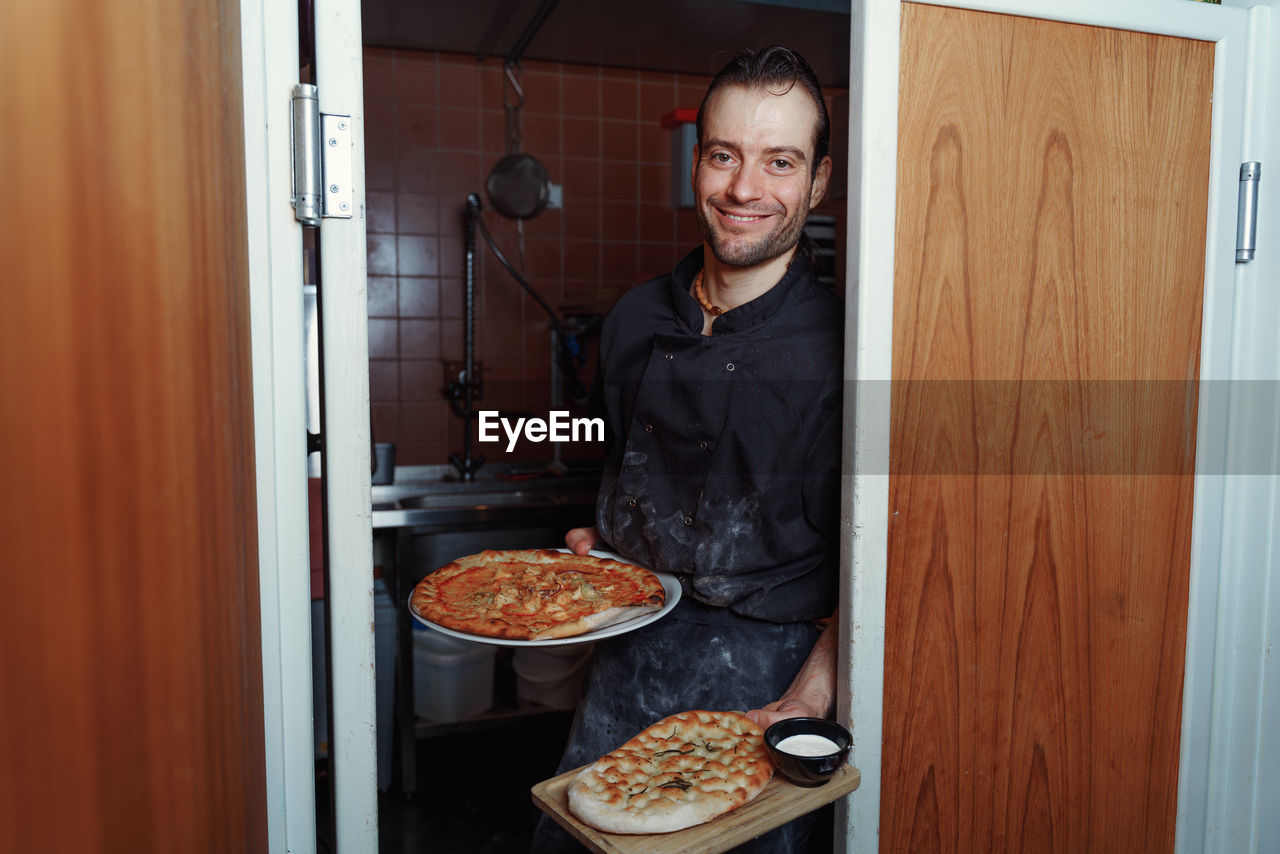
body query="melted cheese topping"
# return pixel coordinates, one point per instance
(521, 589)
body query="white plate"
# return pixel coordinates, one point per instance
(670, 584)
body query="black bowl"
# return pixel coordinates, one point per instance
(808, 770)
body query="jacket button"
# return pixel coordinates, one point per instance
(702, 445)
(648, 428)
(729, 367)
(631, 502)
(670, 356)
(688, 520)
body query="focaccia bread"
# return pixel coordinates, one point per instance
(535, 594)
(682, 771)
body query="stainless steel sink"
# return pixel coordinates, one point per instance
(494, 499)
(499, 482)
(495, 484)
(484, 502)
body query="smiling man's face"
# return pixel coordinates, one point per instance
(754, 178)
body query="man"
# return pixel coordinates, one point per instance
(720, 384)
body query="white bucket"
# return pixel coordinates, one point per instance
(452, 678)
(551, 676)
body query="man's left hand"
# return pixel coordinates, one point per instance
(812, 692)
(780, 710)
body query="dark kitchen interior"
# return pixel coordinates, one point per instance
(597, 81)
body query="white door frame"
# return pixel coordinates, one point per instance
(1224, 599)
(270, 68)
(269, 31)
(1228, 798)
(347, 456)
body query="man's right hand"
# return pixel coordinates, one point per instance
(581, 540)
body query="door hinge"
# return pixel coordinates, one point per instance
(321, 159)
(1247, 211)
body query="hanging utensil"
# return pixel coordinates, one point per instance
(518, 186)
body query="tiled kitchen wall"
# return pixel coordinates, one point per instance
(434, 128)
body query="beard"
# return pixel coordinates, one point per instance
(741, 251)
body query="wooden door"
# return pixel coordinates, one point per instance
(129, 635)
(1052, 196)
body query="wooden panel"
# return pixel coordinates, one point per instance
(129, 639)
(1052, 192)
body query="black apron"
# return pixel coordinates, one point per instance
(696, 657)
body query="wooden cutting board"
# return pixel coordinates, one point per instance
(779, 803)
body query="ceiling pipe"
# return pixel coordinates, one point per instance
(505, 12)
(499, 22)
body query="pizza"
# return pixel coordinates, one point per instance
(535, 594)
(684, 770)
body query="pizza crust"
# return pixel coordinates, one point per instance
(602, 620)
(535, 594)
(682, 771)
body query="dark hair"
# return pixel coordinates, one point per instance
(776, 70)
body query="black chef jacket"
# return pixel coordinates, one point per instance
(723, 463)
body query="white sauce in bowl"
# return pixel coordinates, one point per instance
(808, 745)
